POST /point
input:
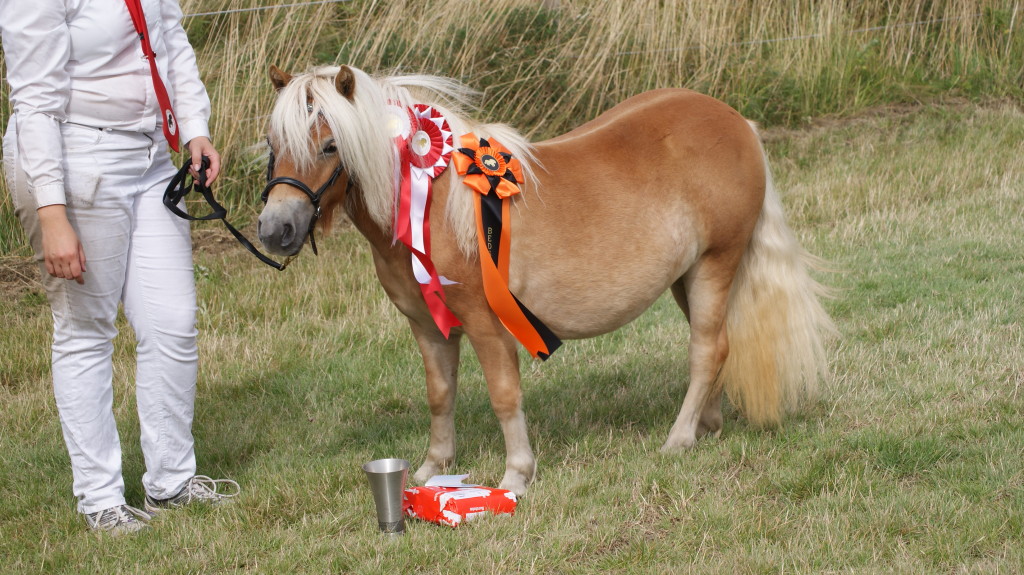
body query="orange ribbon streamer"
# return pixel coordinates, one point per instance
(490, 170)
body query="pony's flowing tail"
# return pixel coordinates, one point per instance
(777, 326)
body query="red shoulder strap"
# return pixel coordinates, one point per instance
(170, 123)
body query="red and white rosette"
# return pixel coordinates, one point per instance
(399, 122)
(424, 142)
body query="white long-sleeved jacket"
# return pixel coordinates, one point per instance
(81, 61)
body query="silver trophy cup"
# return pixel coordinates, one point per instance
(387, 482)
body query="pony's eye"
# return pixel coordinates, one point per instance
(331, 148)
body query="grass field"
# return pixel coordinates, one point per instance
(912, 462)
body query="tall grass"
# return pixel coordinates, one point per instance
(775, 61)
(548, 66)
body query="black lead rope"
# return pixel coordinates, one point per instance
(180, 187)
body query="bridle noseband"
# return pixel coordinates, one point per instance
(314, 197)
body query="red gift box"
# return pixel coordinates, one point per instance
(453, 505)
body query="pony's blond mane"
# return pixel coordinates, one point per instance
(364, 144)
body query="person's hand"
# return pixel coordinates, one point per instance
(62, 251)
(199, 147)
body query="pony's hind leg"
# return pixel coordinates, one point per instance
(441, 363)
(703, 295)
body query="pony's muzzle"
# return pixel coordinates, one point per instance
(283, 224)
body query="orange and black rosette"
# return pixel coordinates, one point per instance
(488, 166)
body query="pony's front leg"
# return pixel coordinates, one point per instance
(499, 360)
(441, 363)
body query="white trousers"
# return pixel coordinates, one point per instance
(138, 254)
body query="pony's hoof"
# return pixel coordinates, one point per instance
(426, 471)
(678, 444)
(514, 482)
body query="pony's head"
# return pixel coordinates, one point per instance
(313, 171)
(331, 146)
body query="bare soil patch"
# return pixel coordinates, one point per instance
(18, 276)
(215, 240)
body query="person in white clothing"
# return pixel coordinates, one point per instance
(86, 161)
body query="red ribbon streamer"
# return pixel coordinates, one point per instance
(426, 149)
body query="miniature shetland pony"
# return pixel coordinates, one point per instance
(669, 190)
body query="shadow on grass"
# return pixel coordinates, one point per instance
(321, 410)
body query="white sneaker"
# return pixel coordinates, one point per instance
(118, 520)
(199, 489)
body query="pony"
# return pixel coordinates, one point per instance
(668, 190)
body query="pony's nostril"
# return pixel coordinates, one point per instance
(287, 234)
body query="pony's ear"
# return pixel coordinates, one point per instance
(279, 78)
(345, 82)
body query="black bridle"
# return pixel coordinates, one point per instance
(314, 197)
(180, 186)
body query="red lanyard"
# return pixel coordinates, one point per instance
(170, 124)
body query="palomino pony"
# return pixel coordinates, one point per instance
(667, 190)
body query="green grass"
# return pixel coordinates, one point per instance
(911, 463)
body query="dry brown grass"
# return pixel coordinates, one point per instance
(548, 66)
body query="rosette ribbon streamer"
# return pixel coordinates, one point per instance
(489, 168)
(424, 144)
